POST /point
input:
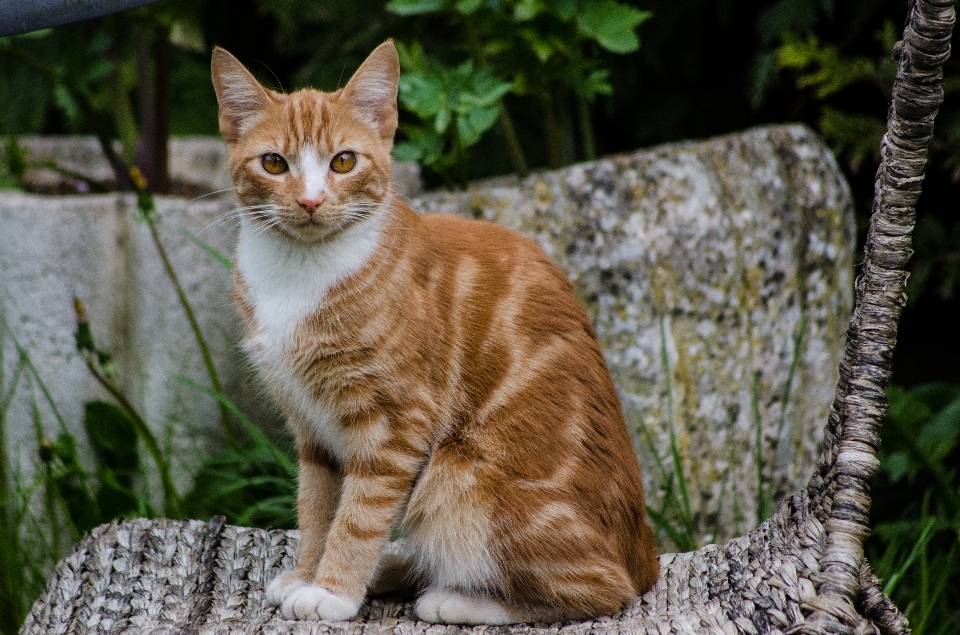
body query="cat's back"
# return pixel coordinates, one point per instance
(469, 238)
(496, 264)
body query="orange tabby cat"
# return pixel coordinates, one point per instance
(438, 373)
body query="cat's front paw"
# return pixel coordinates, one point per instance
(312, 602)
(282, 586)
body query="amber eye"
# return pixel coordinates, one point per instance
(273, 163)
(343, 162)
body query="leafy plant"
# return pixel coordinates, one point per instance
(455, 107)
(14, 164)
(110, 76)
(544, 51)
(915, 547)
(823, 68)
(853, 129)
(252, 483)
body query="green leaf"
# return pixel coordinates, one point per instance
(612, 24)
(412, 57)
(98, 70)
(796, 52)
(856, 137)
(442, 121)
(72, 484)
(472, 124)
(99, 44)
(564, 9)
(65, 101)
(596, 83)
(906, 409)
(407, 151)
(830, 72)
(115, 498)
(937, 395)
(466, 7)
(15, 159)
(414, 7)
(112, 435)
(526, 10)
(896, 465)
(482, 88)
(255, 434)
(428, 144)
(541, 48)
(34, 35)
(939, 436)
(423, 93)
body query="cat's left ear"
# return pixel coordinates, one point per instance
(372, 91)
(241, 97)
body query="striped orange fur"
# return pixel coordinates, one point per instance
(438, 373)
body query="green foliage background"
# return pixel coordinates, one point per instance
(499, 86)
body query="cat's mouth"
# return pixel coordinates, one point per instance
(316, 227)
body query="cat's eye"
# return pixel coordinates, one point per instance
(343, 162)
(273, 163)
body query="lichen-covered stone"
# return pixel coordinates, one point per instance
(718, 275)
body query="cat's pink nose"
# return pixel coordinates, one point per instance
(310, 204)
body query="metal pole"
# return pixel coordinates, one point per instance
(21, 16)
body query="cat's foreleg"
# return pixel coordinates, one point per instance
(319, 492)
(374, 491)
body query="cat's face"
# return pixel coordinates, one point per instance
(309, 164)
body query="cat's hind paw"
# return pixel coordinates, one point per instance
(451, 607)
(282, 586)
(312, 602)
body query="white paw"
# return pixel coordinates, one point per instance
(311, 602)
(282, 586)
(451, 607)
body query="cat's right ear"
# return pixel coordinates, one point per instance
(240, 95)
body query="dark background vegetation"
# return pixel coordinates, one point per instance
(703, 68)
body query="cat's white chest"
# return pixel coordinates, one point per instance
(286, 282)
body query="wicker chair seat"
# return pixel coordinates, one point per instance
(166, 576)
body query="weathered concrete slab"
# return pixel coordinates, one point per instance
(703, 265)
(96, 248)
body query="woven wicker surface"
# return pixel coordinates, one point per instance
(164, 576)
(801, 572)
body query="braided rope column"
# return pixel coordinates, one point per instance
(840, 490)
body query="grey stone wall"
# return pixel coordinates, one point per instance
(718, 275)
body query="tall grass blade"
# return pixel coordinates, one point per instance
(918, 548)
(686, 516)
(212, 251)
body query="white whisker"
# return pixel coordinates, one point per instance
(228, 189)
